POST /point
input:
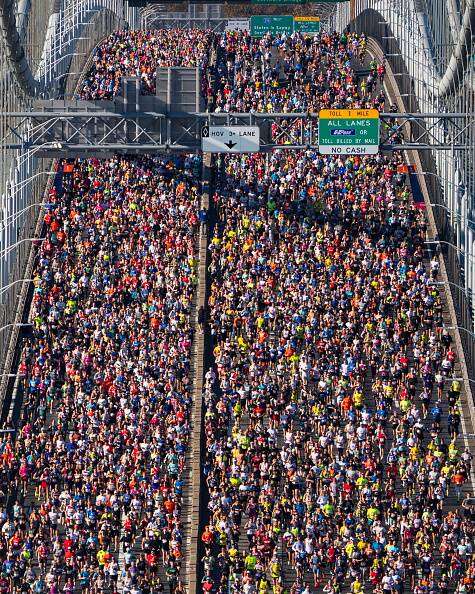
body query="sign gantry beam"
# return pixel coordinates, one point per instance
(83, 112)
(83, 129)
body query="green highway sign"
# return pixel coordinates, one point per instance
(309, 25)
(287, 24)
(348, 131)
(277, 25)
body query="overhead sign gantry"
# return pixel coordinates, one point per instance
(76, 130)
(173, 120)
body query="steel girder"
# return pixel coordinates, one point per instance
(87, 131)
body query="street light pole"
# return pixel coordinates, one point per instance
(452, 188)
(443, 283)
(452, 245)
(19, 186)
(21, 325)
(20, 280)
(457, 215)
(7, 250)
(459, 379)
(16, 215)
(69, 74)
(460, 328)
(72, 54)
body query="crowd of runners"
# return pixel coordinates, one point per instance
(140, 53)
(93, 478)
(331, 421)
(98, 460)
(97, 463)
(294, 73)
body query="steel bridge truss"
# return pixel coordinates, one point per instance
(85, 129)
